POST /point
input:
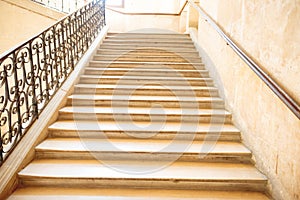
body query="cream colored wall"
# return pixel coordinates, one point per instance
(127, 18)
(124, 23)
(22, 19)
(155, 6)
(269, 32)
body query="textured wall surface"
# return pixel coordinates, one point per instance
(160, 15)
(22, 19)
(269, 31)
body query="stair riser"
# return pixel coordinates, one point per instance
(148, 52)
(142, 82)
(117, 40)
(131, 66)
(141, 42)
(146, 36)
(145, 118)
(222, 136)
(182, 75)
(148, 39)
(149, 44)
(230, 185)
(229, 158)
(149, 103)
(159, 55)
(147, 59)
(130, 92)
(178, 48)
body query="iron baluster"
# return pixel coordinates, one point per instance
(32, 73)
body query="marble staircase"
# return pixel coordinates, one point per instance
(145, 121)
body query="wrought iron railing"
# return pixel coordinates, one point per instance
(32, 73)
(66, 6)
(271, 83)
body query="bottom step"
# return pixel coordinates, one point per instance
(37, 193)
(145, 174)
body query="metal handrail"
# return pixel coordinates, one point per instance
(32, 73)
(271, 83)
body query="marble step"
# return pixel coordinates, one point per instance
(131, 78)
(149, 44)
(148, 35)
(142, 72)
(143, 149)
(146, 101)
(163, 39)
(124, 57)
(147, 41)
(165, 47)
(148, 52)
(155, 130)
(155, 90)
(154, 114)
(146, 174)
(147, 65)
(38, 193)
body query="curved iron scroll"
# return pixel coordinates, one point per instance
(279, 91)
(32, 73)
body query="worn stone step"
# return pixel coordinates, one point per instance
(37, 193)
(164, 47)
(161, 58)
(147, 41)
(147, 65)
(168, 45)
(143, 149)
(146, 174)
(155, 90)
(147, 35)
(148, 38)
(147, 52)
(142, 72)
(155, 130)
(146, 101)
(144, 114)
(129, 79)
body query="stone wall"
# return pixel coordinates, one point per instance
(269, 31)
(22, 19)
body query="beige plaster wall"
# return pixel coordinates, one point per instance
(155, 6)
(141, 14)
(22, 19)
(269, 31)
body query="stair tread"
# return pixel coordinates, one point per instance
(37, 193)
(147, 87)
(143, 145)
(168, 47)
(131, 33)
(123, 126)
(144, 98)
(147, 63)
(147, 69)
(186, 171)
(150, 111)
(147, 50)
(145, 77)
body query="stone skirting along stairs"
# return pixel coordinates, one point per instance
(144, 122)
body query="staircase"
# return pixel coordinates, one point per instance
(144, 122)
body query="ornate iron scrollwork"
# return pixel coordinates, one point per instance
(32, 73)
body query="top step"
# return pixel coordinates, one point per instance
(147, 35)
